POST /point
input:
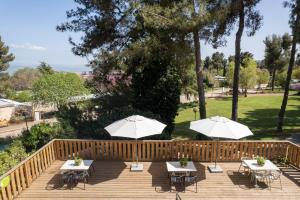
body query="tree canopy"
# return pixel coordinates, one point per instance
(5, 56)
(24, 78)
(58, 88)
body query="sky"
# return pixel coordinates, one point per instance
(28, 27)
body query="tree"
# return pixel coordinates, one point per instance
(106, 25)
(294, 22)
(5, 86)
(262, 77)
(218, 62)
(57, 89)
(247, 16)
(296, 73)
(248, 75)
(192, 18)
(276, 54)
(24, 78)
(207, 63)
(5, 57)
(45, 68)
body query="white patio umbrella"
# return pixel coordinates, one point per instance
(220, 127)
(135, 126)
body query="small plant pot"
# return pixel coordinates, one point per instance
(77, 162)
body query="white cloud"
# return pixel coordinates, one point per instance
(28, 46)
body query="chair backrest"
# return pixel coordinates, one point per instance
(5, 182)
(245, 158)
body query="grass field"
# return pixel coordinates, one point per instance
(259, 113)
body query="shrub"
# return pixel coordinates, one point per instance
(24, 96)
(41, 134)
(12, 156)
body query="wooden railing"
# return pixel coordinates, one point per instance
(22, 175)
(160, 150)
(148, 150)
(293, 154)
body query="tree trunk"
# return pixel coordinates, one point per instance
(245, 92)
(224, 70)
(198, 69)
(237, 60)
(288, 79)
(273, 79)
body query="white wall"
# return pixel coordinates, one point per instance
(6, 112)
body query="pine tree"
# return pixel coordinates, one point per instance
(243, 13)
(294, 21)
(5, 57)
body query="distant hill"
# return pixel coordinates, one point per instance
(14, 67)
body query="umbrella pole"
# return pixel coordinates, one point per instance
(217, 149)
(137, 157)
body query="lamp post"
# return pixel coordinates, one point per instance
(25, 116)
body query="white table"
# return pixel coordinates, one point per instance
(70, 165)
(253, 166)
(268, 166)
(174, 166)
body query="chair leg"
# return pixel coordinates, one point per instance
(196, 187)
(280, 182)
(240, 167)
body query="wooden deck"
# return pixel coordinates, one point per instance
(113, 180)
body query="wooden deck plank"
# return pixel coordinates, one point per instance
(113, 180)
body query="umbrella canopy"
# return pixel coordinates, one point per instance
(135, 126)
(220, 127)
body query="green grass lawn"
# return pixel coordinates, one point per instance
(259, 113)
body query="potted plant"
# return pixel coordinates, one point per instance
(183, 162)
(77, 161)
(260, 160)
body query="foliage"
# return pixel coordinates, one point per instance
(183, 162)
(22, 96)
(189, 82)
(296, 73)
(5, 57)
(209, 79)
(105, 25)
(281, 79)
(24, 78)
(277, 53)
(12, 156)
(218, 62)
(248, 74)
(260, 160)
(5, 86)
(246, 16)
(263, 76)
(57, 88)
(45, 68)
(41, 134)
(88, 119)
(294, 22)
(77, 161)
